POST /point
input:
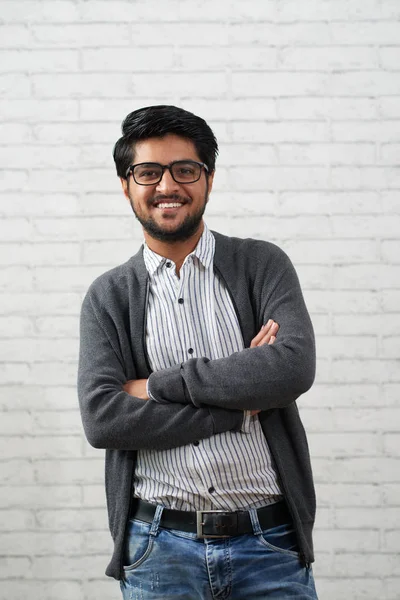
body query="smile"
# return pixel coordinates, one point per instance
(169, 205)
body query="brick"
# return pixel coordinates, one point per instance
(355, 178)
(104, 204)
(358, 588)
(38, 111)
(15, 422)
(205, 84)
(365, 470)
(63, 373)
(15, 36)
(93, 228)
(93, 496)
(391, 393)
(392, 541)
(346, 346)
(81, 35)
(77, 133)
(15, 86)
(367, 324)
(170, 33)
(15, 229)
(41, 497)
(375, 276)
(367, 370)
(40, 204)
(390, 347)
(70, 472)
(16, 279)
(389, 107)
(348, 540)
(109, 252)
(345, 203)
(16, 327)
(72, 567)
(50, 304)
(11, 373)
(62, 590)
(365, 518)
(328, 58)
(15, 133)
(353, 302)
(391, 250)
(13, 567)
(315, 108)
(281, 84)
(115, 59)
(390, 58)
(363, 564)
(365, 226)
(95, 540)
(392, 586)
(61, 326)
(390, 301)
(71, 520)
(40, 61)
(282, 178)
(349, 494)
(329, 11)
(332, 251)
(79, 85)
(258, 131)
(278, 34)
(41, 157)
(314, 277)
(73, 279)
(389, 154)
(327, 154)
(56, 421)
(391, 443)
(366, 131)
(391, 494)
(18, 446)
(41, 543)
(16, 472)
(16, 520)
(365, 33)
(41, 253)
(345, 395)
(341, 444)
(9, 182)
(243, 109)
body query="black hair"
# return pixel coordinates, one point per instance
(158, 121)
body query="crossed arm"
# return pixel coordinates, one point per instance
(267, 335)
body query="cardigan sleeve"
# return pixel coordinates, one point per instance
(114, 419)
(266, 377)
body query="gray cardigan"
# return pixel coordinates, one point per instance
(200, 397)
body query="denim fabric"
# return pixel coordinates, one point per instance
(166, 564)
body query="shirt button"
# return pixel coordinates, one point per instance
(180, 300)
(168, 264)
(190, 350)
(196, 443)
(211, 489)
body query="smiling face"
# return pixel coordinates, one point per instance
(168, 211)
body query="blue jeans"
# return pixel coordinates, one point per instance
(166, 564)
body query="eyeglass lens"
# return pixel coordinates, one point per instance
(182, 172)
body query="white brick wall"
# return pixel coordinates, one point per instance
(310, 91)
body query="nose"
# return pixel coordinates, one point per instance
(167, 185)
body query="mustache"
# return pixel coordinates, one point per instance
(173, 197)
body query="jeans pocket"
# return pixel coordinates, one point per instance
(280, 539)
(138, 544)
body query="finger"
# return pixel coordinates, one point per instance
(271, 341)
(272, 332)
(264, 329)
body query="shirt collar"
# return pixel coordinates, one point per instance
(204, 252)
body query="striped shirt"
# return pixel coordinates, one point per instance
(193, 316)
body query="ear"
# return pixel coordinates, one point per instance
(125, 187)
(210, 182)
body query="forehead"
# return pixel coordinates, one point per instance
(165, 150)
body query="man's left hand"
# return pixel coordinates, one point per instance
(137, 388)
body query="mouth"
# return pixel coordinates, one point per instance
(168, 205)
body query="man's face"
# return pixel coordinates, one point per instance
(168, 223)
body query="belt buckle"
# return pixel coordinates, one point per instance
(200, 523)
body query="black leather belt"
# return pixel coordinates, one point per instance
(212, 523)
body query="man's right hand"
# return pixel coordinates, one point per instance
(266, 335)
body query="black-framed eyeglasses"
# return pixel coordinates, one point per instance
(182, 171)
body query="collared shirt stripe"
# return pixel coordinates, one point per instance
(229, 471)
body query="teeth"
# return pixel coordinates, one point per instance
(169, 205)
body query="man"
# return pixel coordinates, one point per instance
(186, 382)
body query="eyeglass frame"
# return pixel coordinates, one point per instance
(163, 169)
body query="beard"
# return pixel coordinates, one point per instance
(183, 231)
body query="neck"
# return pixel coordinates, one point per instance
(175, 251)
